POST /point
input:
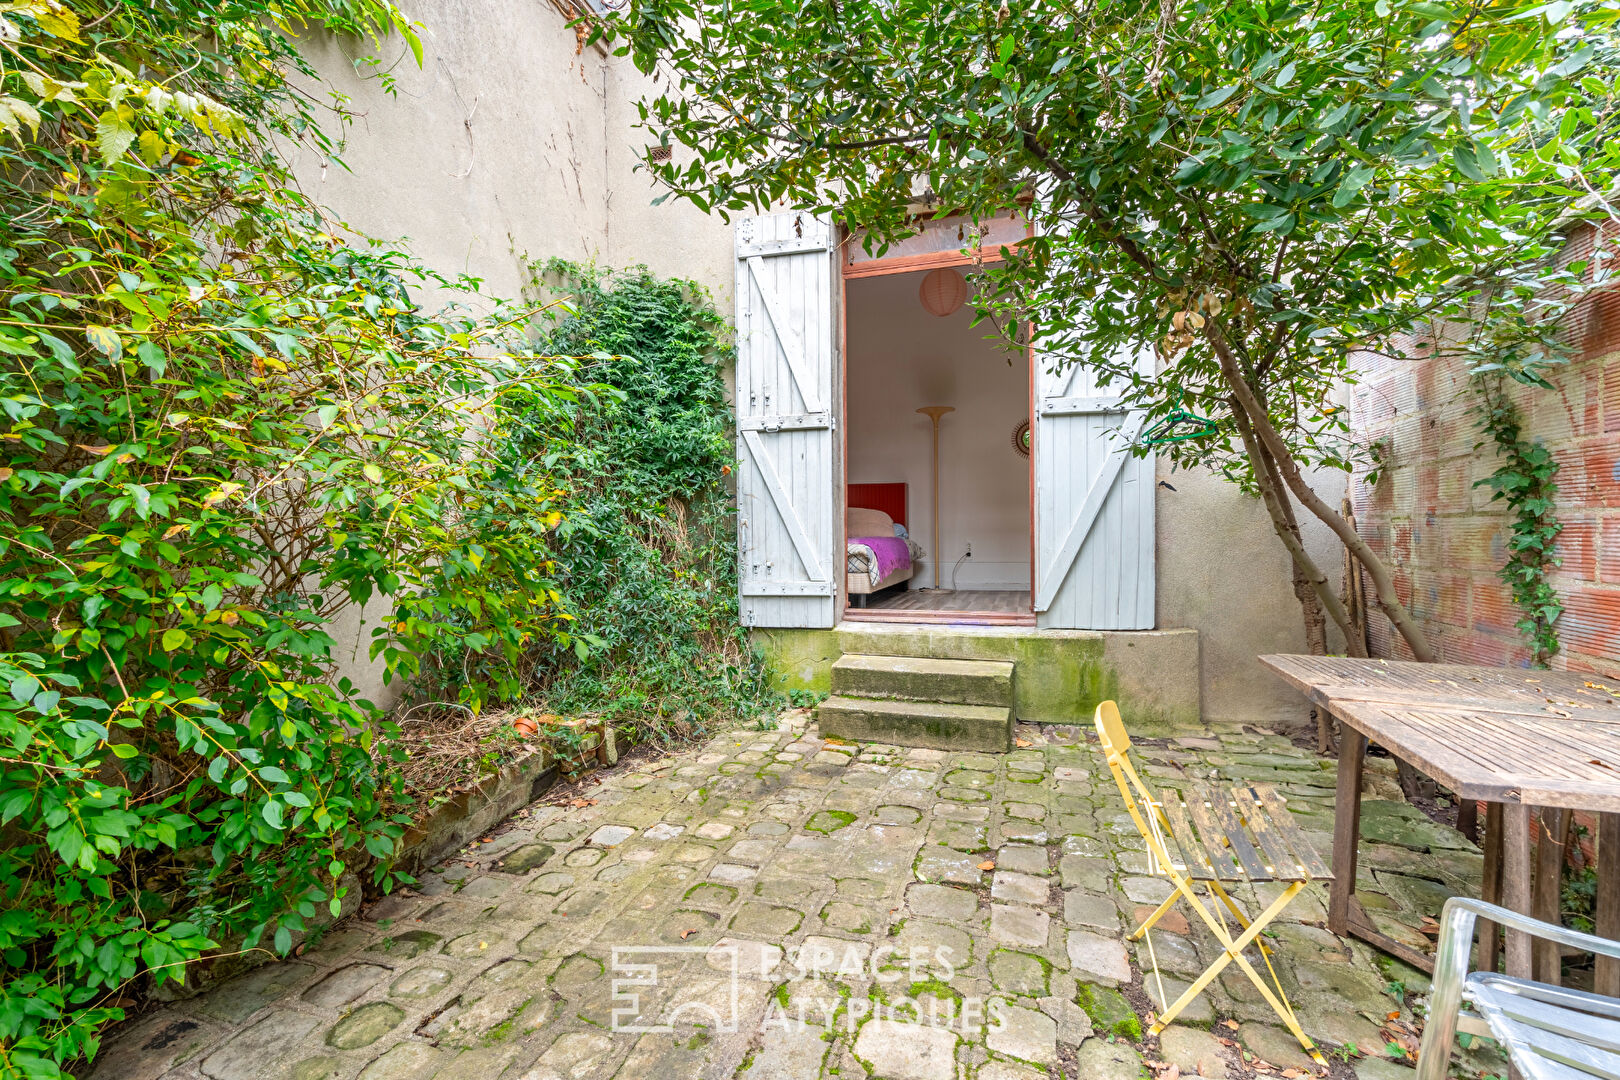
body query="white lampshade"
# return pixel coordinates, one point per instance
(942, 291)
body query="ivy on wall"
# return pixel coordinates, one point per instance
(1525, 480)
(641, 453)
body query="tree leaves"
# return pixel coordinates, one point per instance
(1351, 186)
(114, 135)
(179, 532)
(105, 340)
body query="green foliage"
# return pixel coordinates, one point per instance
(640, 453)
(224, 426)
(1256, 191)
(1525, 481)
(1290, 182)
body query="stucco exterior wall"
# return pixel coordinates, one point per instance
(508, 143)
(1223, 572)
(674, 238)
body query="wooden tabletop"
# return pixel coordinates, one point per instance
(1541, 738)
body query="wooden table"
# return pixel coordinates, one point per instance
(1516, 739)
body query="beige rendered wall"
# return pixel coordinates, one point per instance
(901, 358)
(508, 142)
(1223, 572)
(674, 238)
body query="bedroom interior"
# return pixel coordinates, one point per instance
(921, 376)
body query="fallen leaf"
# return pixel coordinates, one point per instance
(1025, 742)
(687, 933)
(1232, 1024)
(99, 451)
(1290, 1074)
(987, 865)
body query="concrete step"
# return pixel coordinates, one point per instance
(928, 724)
(919, 678)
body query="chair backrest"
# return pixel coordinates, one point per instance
(1116, 745)
(1111, 729)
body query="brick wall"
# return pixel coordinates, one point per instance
(1445, 538)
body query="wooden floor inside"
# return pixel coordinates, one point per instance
(1003, 602)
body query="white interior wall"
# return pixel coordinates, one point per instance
(902, 358)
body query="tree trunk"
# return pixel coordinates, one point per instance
(1272, 497)
(1310, 606)
(1268, 438)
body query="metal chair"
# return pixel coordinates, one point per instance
(1216, 836)
(1550, 1033)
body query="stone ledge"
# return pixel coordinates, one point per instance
(1061, 674)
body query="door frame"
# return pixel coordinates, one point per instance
(881, 267)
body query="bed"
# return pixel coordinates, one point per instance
(878, 555)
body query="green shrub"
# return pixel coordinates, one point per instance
(647, 554)
(224, 425)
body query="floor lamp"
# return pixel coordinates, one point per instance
(934, 412)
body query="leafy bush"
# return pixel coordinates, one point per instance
(224, 425)
(646, 550)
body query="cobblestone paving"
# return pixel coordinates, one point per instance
(907, 914)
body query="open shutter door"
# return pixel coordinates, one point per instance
(1093, 506)
(786, 359)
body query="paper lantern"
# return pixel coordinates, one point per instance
(943, 291)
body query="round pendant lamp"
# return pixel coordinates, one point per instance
(943, 291)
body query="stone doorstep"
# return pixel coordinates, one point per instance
(918, 723)
(918, 678)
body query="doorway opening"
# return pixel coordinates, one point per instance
(931, 399)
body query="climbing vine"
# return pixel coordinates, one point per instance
(1525, 480)
(640, 453)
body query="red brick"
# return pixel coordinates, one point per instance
(1577, 546)
(1475, 649)
(1492, 610)
(1472, 544)
(1608, 552)
(1591, 622)
(1599, 324)
(1453, 601)
(1589, 475)
(1611, 398)
(1453, 493)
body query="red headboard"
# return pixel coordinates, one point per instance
(889, 498)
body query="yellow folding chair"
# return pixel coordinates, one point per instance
(1217, 836)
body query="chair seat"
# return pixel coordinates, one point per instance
(1552, 1033)
(1239, 833)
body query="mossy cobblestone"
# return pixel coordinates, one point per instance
(924, 885)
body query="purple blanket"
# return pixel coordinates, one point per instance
(891, 551)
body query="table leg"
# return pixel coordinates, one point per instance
(1468, 818)
(1490, 888)
(1544, 901)
(1346, 827)
(1606, 979)
(1516, 883)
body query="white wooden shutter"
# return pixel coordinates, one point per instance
(786, 362)
(1094, 537)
